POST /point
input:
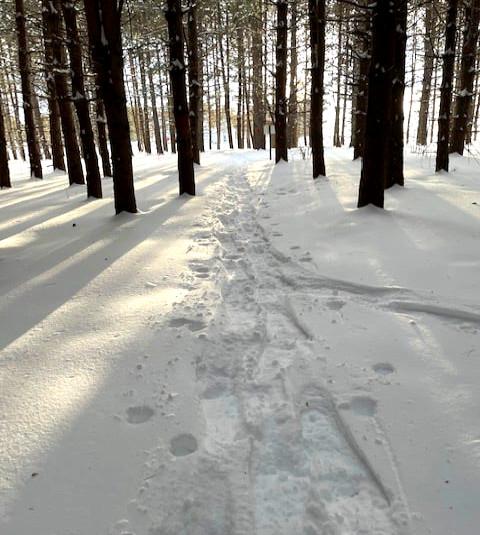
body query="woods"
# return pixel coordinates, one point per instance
(101, 72)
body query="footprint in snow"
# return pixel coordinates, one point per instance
(183, 444)
(383, 368)
(192, 325)
(139, 414)
(336, 304)
(361, 405)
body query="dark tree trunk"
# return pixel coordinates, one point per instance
(240, 98)
(395, 161)
(146, 120)
(281, 109)
(316, 13)
(102, 135)
(53, 110)
(463, 102)
(104, 30)
(257, 80)
(4, 171)
(193, 77)
(378, 121)
(446, 87)
(94, 184)
(173, 14)
(59, 69)
(153, 98)
(225, 70)
(41, 131)
(293, 101)
(428, 61)
(25, 74)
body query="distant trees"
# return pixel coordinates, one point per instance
(230, 68)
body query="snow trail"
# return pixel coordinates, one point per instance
(277, 455)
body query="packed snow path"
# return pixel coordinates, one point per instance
(207, 368)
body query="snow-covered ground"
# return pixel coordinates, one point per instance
(263, 359)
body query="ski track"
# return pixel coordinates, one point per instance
(274, 458)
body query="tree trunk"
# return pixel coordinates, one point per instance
(87, 138)
(145, 115)
(41, 130)
(105, 37)
(281, 110)
(4, 172)
(361, 90)
(428, 61)
(53, 110)
(446, 87)
(257, 84)
(378, 121)
(225, 71)
(193, 82)
(153, 99)
(102, 135)
(316, 13)
(173, 14)
(59, 70)
(25, 74)
(463, 101)
(293, 101)
(395, 161)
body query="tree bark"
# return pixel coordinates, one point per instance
(257, 70)
(153, 98)
(87, 138)
(316, 13)
(25, 74)
(105, 37)
(193, 77)
(173, 14)
(394, 173)
(292, 100)
(53, 110)
(59, 70)
(4, 171)
(463, 102)
(281, 109)
(378, 121)
(446, 87)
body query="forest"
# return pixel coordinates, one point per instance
(103, 75)
(239, 288)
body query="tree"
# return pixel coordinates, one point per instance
(173, 14)
(105, 39)
(446, 87)
(463, 101)
(281, 109)
(94, 184)
(25, 74)
(394, 172)
(375, 163)
(4, 171)
(428, 63)
(316, 13)
(58, 70)
(193, 78)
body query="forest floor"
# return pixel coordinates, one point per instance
(263, 359)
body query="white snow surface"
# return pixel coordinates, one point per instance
(263, 359)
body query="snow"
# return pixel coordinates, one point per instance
(261, 359)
